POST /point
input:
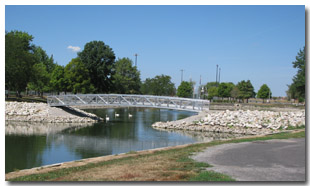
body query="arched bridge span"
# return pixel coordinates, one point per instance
(129, 100)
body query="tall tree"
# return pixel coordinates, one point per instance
(212, 92)
(77, 77)
(126, 79)
(264, 92)
(40, 79)
(58, 81)
(297, 88)
(42, 57)
(99, 59)
(185, 89)
(235, 93)
(159, 85)
(246, 90)
(19, 60)
(224, 89)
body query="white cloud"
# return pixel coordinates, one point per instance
(74, 48)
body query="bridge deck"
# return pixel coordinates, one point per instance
(129, 100)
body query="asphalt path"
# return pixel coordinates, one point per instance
(270, 160)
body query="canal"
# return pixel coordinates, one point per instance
(128, 129)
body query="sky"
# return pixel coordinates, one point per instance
(256, 43)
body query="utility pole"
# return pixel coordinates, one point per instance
(220, 75)
(216, 73)
(199, 91)
(182, 75)
(136, 59)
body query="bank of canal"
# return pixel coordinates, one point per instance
(128, 129)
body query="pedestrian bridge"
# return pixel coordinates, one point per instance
(129, 100)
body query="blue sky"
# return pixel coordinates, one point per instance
(256, 43)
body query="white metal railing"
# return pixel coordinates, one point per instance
(130, 100)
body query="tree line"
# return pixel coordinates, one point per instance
(242, 91)
(96, 70)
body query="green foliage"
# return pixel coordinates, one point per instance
(58, 81)
(297, 88)
(246, 89)
(77, 77)
(40, 79)
(212, 92)
(235, 92)
(99, 60)
(264, 92)
(19, 60)
(224, 89)
(211, 84)
(185, 89)
(126, 79)
(159, 85)
(42, 57)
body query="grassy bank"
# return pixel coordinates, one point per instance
(165, 165)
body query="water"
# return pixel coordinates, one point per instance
(28, 146)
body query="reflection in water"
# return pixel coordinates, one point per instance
(30, 145)
(203, 136)
(38, 128)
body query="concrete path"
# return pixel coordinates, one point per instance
(271, 160)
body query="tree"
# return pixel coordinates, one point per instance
(212, 92)
(19, 60)
(99, 59)
(42, 57)
(126, 79)
(224, 89)
(43, 68)
(246, 90)
(159, 85)
(77, 77)
(185, 89)
(297, 88)
(40, 79)
(58, 81)
(235, 92)
(264, 92)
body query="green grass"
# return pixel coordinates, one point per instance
(211, 176)
(296, 127)
(180, 157)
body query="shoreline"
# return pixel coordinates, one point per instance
(190, 122)
(86, 161)
(42, 113)
(238, 122)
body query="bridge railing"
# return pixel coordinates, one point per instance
(129, 100)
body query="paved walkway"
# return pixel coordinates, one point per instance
(271, 160)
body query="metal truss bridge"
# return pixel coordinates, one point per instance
(130, 100)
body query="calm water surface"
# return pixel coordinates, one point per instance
(28, 147)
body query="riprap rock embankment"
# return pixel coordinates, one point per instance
(41, 112)
(238, 122)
